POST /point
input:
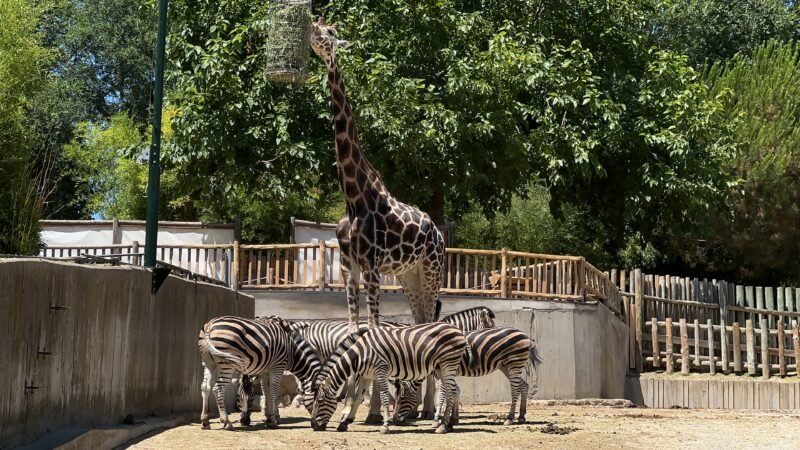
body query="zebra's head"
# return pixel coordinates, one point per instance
(323, 405)
(486, 316)
(406, 399)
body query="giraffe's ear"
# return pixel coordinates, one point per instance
(334, 25)
(342, 44)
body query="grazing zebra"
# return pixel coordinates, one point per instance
(506, 349)
(231, 344)
(477, 318)
(409, 353)
(304, 364)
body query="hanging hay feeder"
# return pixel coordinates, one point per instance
(286, 50)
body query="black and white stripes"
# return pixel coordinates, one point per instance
(408, 353)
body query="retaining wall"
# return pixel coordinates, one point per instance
(87, 346)
(583, 345)
(672, 392)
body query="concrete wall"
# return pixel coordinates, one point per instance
(96, 346)
(583, 345)
(663, 391)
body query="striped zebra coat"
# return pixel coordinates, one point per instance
(230, 345)
(506, 349)
(409, 353)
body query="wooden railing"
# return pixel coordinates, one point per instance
(717, 326)
(489, 273)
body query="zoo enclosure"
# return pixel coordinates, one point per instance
(710, 325)
(314, 266)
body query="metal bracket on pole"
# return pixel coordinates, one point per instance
(160, 274)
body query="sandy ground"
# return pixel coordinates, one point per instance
(548, 426)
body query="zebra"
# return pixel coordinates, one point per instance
(408, 353)
(477, 318)
(304, 365)
(507, 349)
(230, 344)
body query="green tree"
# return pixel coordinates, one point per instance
(715, 30)
(22, 63)
(761, 240)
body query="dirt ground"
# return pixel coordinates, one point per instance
(548, 426)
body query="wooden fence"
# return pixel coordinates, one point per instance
(489, 273)
(709, 325)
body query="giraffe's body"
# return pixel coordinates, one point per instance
(379, 235)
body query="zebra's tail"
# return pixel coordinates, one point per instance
(220, 354)
(533, 355)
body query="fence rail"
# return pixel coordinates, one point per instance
(697, 325)
(315, 266)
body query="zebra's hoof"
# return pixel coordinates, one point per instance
(245, 421)
(521, 419)
(436, 423)
(373, 419)
(453, 421)
(342, 426)
(441, 429)
(227, 426)
(508, 422)
(205, 426)
(413, 415)
(449, 427)
(427, 415)
(272, 422)
(384, 430)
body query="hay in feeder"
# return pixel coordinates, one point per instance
(286, 50)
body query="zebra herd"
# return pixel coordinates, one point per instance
(332, 364)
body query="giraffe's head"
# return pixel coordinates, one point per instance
(324, 39)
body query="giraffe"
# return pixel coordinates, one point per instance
(379, 234)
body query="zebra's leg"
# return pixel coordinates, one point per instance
(350, 388)
(245, 398)
(205, 390)
(523, 399)
(275, 377)
(441, 403)
(451, 388)
(354, 399)
(383, 388)
(429, 402)
(514, 380)
(454, 415)
(223, 378)
(374, 417)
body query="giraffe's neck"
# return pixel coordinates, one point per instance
(360, 182)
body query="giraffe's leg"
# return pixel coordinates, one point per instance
(372, 282)
(351, 272)
(205, 390)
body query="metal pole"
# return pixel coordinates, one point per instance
(154, 175)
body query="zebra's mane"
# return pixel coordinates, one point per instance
(466, 312)
(343, 346)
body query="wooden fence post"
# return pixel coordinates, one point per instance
(638, 321)
(654, 340)
(712, 359)
(668, 355)
(696, 342)
(764, 350)
(796, 344)
(723, 344)
(781, 349)
(135, 249)
(684, 347)
(234, 281)
(751, 347)
(503, 269)
(582, 278)
(322, 264)
(737, 347)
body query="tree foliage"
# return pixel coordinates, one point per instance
(762, 240)
(22, 63)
